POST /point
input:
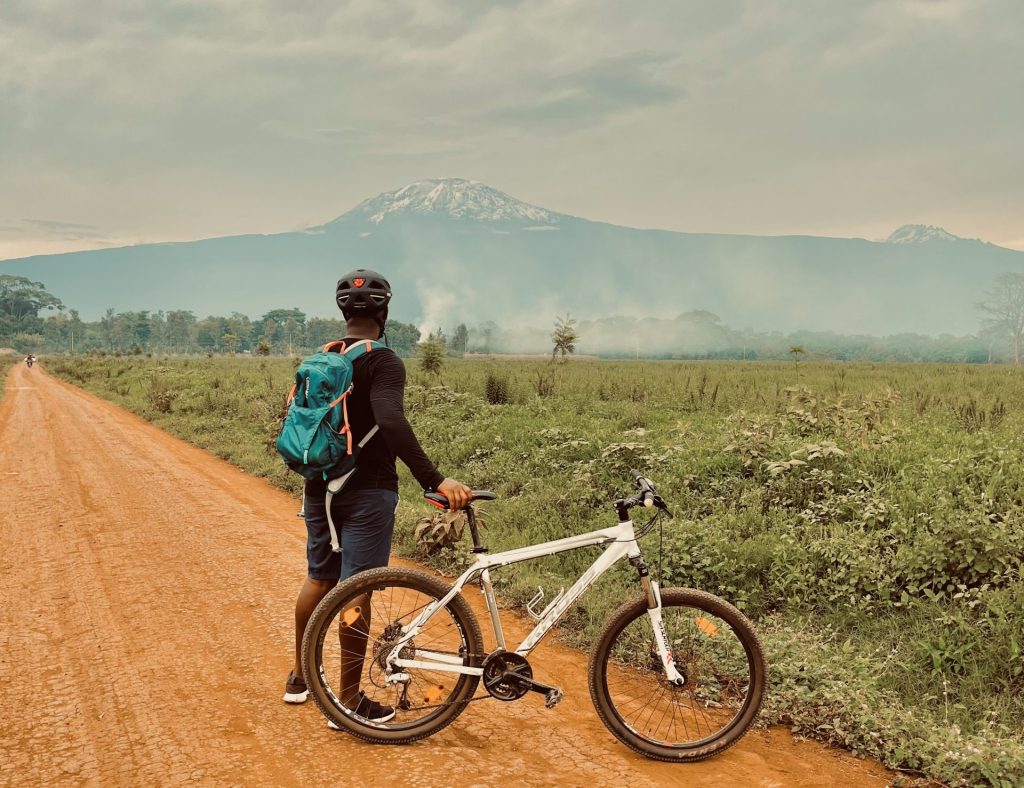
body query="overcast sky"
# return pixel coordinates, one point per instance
(141, 121)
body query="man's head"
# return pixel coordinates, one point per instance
(364, 295)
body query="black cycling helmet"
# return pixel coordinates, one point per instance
(362, 293)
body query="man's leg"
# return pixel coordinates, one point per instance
(310, 594)
(369, 519)
(323, 568)
(353, 633)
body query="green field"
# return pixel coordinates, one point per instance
(869, 518)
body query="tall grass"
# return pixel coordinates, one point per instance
(7, 360)
(870, 518)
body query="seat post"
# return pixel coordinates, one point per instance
(471, 518)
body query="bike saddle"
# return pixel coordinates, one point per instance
(441, 501)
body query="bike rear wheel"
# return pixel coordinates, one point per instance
(389, 598)
(714, 647)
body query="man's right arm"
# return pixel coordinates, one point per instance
(387, 399)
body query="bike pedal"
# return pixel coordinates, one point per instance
(552, 698)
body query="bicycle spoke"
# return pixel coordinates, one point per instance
(424, 692)
(709, 655)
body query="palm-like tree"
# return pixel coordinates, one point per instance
(564, 337)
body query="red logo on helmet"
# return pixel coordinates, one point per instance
(359, 282)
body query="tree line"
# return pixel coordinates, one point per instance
(32, 319)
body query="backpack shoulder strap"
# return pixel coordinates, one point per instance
(363, 347)
(331, 346)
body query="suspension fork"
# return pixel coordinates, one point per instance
(661, 641)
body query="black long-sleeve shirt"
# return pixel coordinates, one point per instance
(378, 396)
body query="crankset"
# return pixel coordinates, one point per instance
(508, 676)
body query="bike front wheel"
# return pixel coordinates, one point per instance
(352, 632)
(717, 652)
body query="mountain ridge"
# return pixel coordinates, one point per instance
(457, 198)
(921, 233)
(460, 251)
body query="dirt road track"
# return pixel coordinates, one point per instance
(146, 627)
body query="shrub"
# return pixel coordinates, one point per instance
(496, 389)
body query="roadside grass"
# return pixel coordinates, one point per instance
(869, 518)
(7, 360)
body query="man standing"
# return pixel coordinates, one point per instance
(364, 511)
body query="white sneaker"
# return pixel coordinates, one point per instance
(295, 689)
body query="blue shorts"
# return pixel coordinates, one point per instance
(365, 520)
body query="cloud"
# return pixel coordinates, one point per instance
(581, 98)
(52, 233)
(189, 119)
(51, 228)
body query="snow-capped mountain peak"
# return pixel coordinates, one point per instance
(919, 234)
(452, 197)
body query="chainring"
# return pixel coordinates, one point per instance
(496, 681)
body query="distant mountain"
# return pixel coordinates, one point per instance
(919, 234)
(451, 198)
(461, 251)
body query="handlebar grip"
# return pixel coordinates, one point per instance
(438, 500)
(648, 499)
(642, 481)
(442, 502)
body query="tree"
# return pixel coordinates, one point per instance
(179, 323)
(240, 327)
(270, 332)
(209, 331)
(20, 302)
(403, 338)
(1005, 310)
(108, 328)
(460, 339)
(273, 327)
(139, 326)
(76, 328)
(564, 337)
(292, 333)
(796, 351)
(431, 355)
(320, 331)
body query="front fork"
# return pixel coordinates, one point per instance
(661, 641)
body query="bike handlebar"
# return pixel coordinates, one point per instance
(648, 497)
(648, 494)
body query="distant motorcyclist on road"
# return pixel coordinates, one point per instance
(30, 359)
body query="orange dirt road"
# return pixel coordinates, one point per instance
(146, 631)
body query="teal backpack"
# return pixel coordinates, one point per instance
(316, 440)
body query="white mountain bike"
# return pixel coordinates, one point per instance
(676, 674)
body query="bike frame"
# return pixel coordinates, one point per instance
(622, 543)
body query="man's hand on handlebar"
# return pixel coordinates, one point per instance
(457, 493)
